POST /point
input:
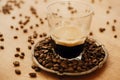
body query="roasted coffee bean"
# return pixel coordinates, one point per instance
(21, 57)
(114, 20)
(25, 30)
(2, 39)
(63, 64)
(33, 66)
(29, 47)
(18, 49)
(56, 68)
(32, 42)
(22, 53)
(107, 23)
(11, 27)
(13, 17)
(2, 47)
(16, 55)
(16, 63)
(91, 34)
(17, 71)
(115, 36)
(43, 63)
(70, 69)
(40, 60)
(32, 75)
(48, 65)
(21, 27)
(44, 34)
(56, 65)
(15, 37)
(1, 35)
(54, 60)
(16, 29)
(37, 69)
(102, 30)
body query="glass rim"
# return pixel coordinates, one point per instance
(81, 2)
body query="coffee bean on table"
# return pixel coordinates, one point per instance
(17, 71)
(18, 49)
(16, 55)
(32, 75)
(21, 57)
(16, 63)
(22, 53)
(37, 69)
(2, 47)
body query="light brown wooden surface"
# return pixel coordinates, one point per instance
(110, 71)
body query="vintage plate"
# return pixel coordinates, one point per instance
(72, 74)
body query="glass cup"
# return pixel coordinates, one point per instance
(69, 23)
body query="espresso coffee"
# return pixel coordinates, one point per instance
(68, 41)
(68, 52)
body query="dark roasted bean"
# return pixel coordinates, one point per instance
(32, 75)
(16, 55)
(17, 71)
(16, 63)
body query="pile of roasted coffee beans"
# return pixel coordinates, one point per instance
(45, 55)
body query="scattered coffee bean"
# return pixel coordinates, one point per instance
(17, 29)
(107, 11)
(29, 47)
(25, 30)
(107, 22)
(32, 75)
(2, 39)
(44, 34)
(1, 35)
(16, 63)
(13, 17)
(91, 34)
(31, 27)
(21, 57)
(21, 27)
(70, 8)
(33, 66)
(16, 55)
(20, 14)
(22, 53)
(18, 49)
(2, 47)
(40, 35)
(102, 30)
(36, 25)
(11, 27)
(17, 71)
(114, 20)
(109, 7)
(115, 36)
(37, 69)
(45, 18)
(15, 37)
(32, 42)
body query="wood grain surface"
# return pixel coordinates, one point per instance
(104, 11)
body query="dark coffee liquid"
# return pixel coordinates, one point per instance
(68, 52)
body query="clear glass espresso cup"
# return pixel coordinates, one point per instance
(69, 23)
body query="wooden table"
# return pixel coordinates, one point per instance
(105, 11)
